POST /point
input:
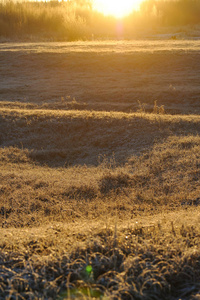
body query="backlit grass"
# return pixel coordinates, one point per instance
(78, 20)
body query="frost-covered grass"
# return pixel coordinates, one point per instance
(98, 204)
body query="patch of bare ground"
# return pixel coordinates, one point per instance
(99, 204)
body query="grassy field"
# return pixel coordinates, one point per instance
(103, 75)
(99, 195)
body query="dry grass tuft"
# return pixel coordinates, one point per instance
(14, 155)
(113, 182)
(147, 262)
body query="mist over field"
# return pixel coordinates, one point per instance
(99, 162)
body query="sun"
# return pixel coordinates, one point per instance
(117, 8)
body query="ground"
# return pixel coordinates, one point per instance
(103, 75)
(99, 170)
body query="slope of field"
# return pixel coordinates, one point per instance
(61, 155)
(99, 204)
(62, 138)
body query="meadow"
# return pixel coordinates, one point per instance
(100, 170)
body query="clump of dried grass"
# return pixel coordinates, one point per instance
(169, 170)
(14, 155)
(114, 182)
(140, 262)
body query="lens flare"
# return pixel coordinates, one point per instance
(88, 269)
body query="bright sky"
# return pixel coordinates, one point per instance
(117, 8)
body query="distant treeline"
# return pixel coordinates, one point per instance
(76, 19)
(52, 19)
(173, 12)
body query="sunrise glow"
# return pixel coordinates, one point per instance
(116, 8)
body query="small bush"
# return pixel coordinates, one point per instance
(14, 155)
(80, 192)
(113, 182)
